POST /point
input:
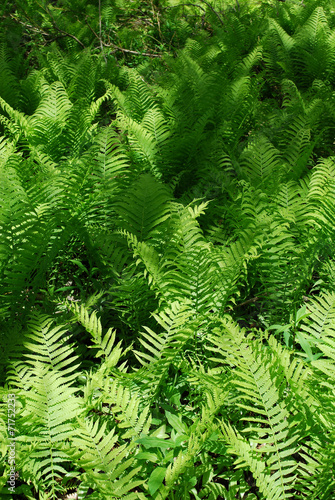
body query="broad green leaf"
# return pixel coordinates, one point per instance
(156, 479)
(153, 442)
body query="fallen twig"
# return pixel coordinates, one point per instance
(29, 26)
(185, 5)
(117, 47)
(127, 51)
(246, 302)
(65, 33)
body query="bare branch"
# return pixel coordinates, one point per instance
(37, 29)
(185, 5)
(246, 302)
(214, 11)
(127, 51)
(65, 33)
(29, 26)
(116, 47)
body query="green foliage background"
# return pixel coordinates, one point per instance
(167, 273)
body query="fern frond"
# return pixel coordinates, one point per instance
(142, 143)
(298, 146)
(139, 97)
(321, 195)
(278, 47)
(109, 466)
(47, 123)
(144, 207)
(313, 30)
(321, 332)
(291, 203)
(46, 420)
(110, 164)
(161, 350)
(18, 124)
(178, 473)
(244, 68)
(9, 85)
(269, 426)
(123, 408)
(105, 344)
(261, 162)
(44, 343)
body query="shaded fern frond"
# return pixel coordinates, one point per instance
(321, 332)
(162, 350)
(105, 344)
(261, 162)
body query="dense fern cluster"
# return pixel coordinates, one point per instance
(167, 262)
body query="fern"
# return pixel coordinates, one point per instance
(46, 418)
(164, 350)
(97, 452)
(144, 207)
(166, 253)
(261, 163)
(259, 394)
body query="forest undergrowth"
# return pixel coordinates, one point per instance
(167, 242)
